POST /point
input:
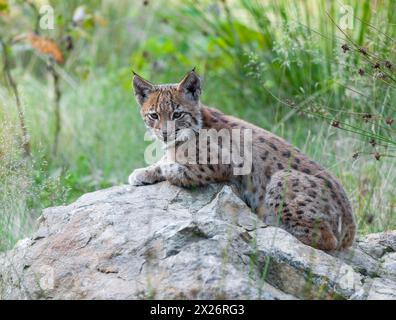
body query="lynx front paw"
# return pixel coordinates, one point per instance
(141, 177)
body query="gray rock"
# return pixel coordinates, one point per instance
(388, 266)
(359, 260)
(377, 289)
(301, 270)
(164, 242)
(377, 244)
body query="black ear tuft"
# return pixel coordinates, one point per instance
(191, 86)
(142, 88)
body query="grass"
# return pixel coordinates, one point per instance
(278, 64)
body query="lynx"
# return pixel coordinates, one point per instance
(283, 187)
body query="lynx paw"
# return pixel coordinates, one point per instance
(140, 177)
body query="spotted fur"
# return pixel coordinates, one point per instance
(284, 187)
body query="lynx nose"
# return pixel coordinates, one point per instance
(164, 135)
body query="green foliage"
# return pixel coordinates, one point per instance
(4, 8)
(278, 64)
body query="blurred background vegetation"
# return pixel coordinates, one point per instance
(318, 73)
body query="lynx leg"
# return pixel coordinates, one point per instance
(300, 204)
(190, 175)
(144, 176)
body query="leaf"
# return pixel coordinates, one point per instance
(44, 46)
(4, 7)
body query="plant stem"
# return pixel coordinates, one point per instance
(14, 88)
(57, 97)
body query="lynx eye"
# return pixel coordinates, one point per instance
(177, 115)
(153, 116)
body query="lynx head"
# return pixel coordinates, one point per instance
(170, 111)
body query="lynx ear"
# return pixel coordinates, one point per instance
(190, 86)
(142, 88)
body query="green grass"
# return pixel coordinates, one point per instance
(256, 59)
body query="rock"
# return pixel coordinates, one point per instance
(301, 270)
(164, 242)
(359, 260)
(377, 289)
(388, 266)
(377, 244)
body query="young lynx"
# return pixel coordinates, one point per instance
(282, 185)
